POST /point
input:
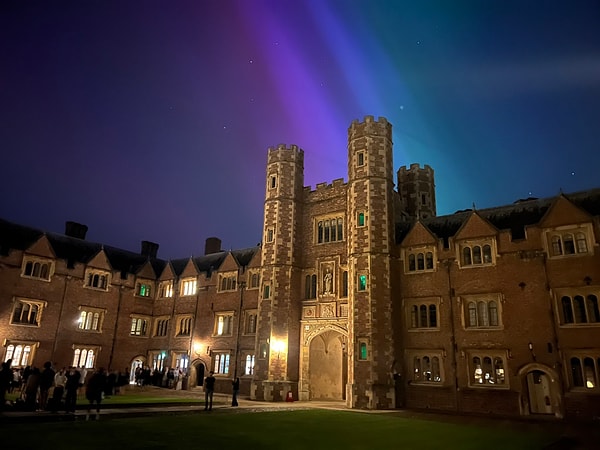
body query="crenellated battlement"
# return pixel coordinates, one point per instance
(415, 167)
(325, 190)
(291, 153)
(369, 126)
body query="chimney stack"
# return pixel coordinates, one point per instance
(149, 249)
(75, 230)
(213, 245)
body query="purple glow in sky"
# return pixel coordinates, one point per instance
(150, 120)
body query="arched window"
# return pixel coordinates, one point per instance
(423, 316)
(435, 369)
(417, 368)
(414, 321)
(420, 262)
(556, 245)
(482, 314)
(567, 310)
(340, 229)
(426, 368)
(499, 370)
(477, 371)
(411, 263)
(592, 308)
(477, 254)
(467, 261)
(488, 373)
(327, 231)
(569, 244)
(429, 260)
(432, 316)
(487, 254)
(581, 243)
(493, 310)
(579, 306)
(589, 373)
(472, 308)
(576, 373)
(320, 232)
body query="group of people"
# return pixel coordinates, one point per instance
(171, 378)
(53, 390)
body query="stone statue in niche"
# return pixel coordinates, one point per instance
(328, 282)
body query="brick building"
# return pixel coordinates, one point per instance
(358, 292)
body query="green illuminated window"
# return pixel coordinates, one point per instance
(361, 219)
(362, 351)
(362, 282)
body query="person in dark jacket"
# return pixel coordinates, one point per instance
(209, 390)
(46, 382)
(94, 391)
(235, 384)
(71, 386)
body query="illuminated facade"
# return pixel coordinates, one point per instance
(359, 292)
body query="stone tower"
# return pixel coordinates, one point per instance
(416, 187)
(370, 242)
(277, 340)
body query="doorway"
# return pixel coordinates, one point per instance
(328, 369)
(540, 397)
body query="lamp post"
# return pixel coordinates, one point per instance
(242, 286)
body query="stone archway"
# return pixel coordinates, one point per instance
(328, 369)
(136, 363)
(540, 391)
(196, 374)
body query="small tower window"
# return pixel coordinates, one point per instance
(272, 182)
(361, 219)
(362, 282)
(362, 351)
(360, 159)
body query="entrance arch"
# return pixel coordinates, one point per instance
(328, 367)
(137, 363)
(197, 373)
(540, 392)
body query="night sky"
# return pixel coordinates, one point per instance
(150, 120)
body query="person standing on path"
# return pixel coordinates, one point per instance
(46, 382)
(94, 391)
(236, 389)
(71, 387)
(209, 390)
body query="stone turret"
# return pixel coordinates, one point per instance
(416, 187)
(279, 313)
(370, 241)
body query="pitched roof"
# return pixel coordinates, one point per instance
(514, 217)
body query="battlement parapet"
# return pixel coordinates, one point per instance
(282, 152)
(369, 126)
(325, 190)
(415, 167)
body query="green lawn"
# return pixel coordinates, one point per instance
(306, 429)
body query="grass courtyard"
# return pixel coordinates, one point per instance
(302, 429)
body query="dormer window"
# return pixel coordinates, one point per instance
(143, 289)
(38, 268)
(188, 286)
(475, 254)
(419, 260)
(569, 242)
(97, 279)
(227, 281)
